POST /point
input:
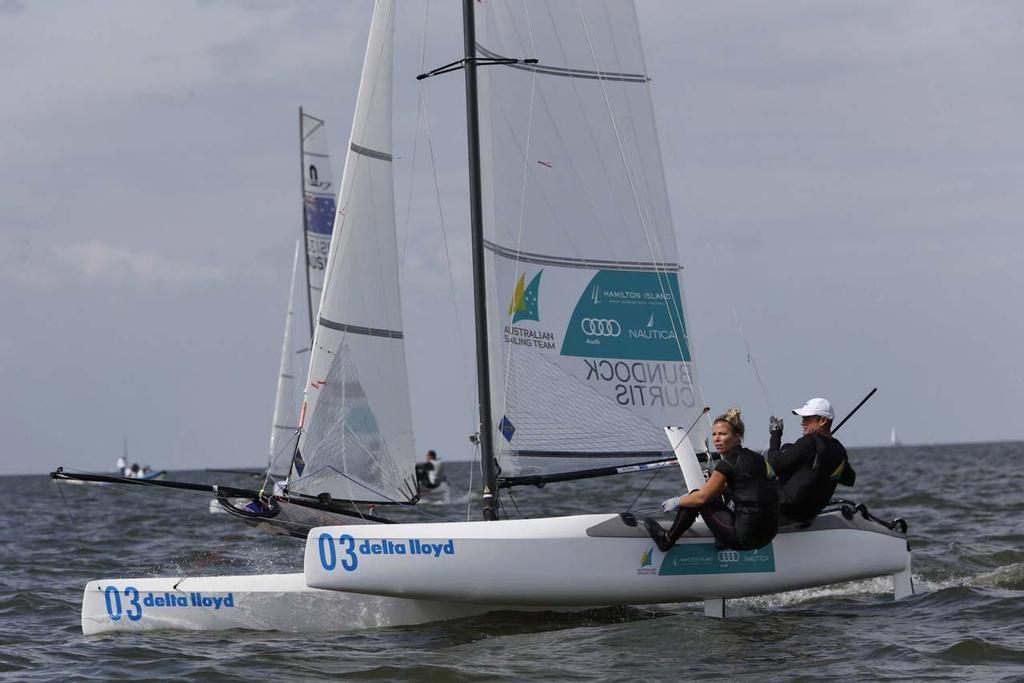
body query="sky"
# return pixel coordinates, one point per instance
(845, 182)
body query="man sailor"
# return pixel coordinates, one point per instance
(122, 467)
(810, 468)
(428, 474)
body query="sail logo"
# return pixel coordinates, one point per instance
(525, 304)
(628, 315)
(649, 331)
(600, 327)
(647, 563)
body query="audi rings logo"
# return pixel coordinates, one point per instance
(728, 556)
(600, 327)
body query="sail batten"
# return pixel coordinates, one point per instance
(551, 259)
(359, 329)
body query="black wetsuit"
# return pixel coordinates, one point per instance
(755, 494)
(423, 470)
(808, 471)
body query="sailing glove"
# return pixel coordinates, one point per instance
(670, 505)
(774, 425)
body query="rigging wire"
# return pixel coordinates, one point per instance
(522, 215)
(71, 517)
(662, 278)
(416, 139)
(750, 359)
(469, 491)
(383, 495)
(425, 103)
(514, 504)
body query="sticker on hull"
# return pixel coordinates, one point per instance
(704, 558)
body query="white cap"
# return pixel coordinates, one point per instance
(816, 406)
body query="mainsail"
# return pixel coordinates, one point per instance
(356, 441)
(590, 358)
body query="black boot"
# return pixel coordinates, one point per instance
(658, 534)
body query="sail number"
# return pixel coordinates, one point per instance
(131, 608)
(345, 551)
(130, 602)
(329, 553)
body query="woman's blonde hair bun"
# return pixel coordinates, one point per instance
(732, 417)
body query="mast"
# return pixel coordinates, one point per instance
(305, 220)
(489, 470)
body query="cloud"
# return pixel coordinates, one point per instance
(12, 6)
(94, 262)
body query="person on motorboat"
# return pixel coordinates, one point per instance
(122, 467)
(809, 469)
(750, 482)
(428, 474)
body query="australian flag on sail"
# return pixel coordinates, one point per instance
(320, 214)
(507, 428)
(298, 463)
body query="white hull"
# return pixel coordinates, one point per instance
(267, 602)
(590, 560)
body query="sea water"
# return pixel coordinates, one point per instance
(964, 503)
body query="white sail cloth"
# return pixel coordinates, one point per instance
(286, 415)
(357, 438)
(589, 352)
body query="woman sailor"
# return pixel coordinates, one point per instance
(751, 484)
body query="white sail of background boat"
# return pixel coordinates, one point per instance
(589, 352)
(351, 443)
(286, 415)
(318, 211)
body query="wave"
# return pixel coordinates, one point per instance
(980, 651)
(1010, 577)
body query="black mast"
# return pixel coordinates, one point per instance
(305, 221)
(489, 470)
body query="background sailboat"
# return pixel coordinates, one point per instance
(274, 508)
(352, 446)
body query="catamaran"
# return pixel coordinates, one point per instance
(583, 349)
(583, 357)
